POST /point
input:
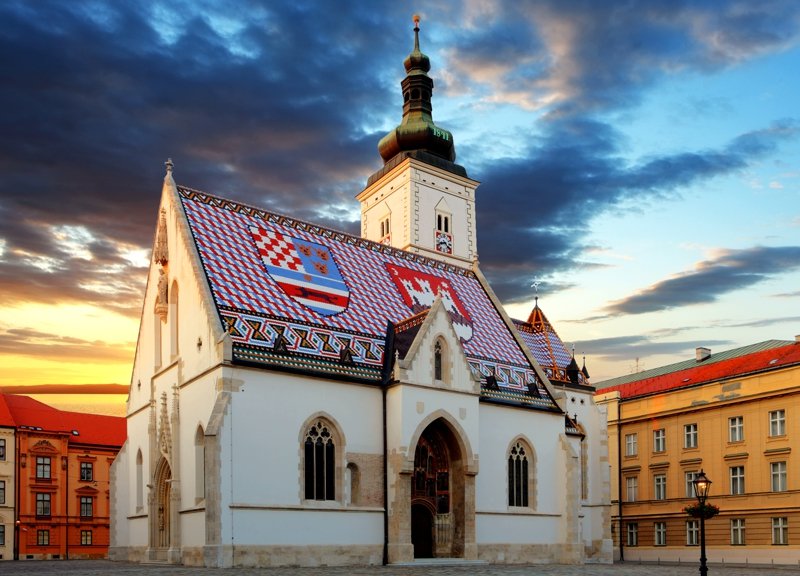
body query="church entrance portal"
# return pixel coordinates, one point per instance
(160, 519)
(437, 495)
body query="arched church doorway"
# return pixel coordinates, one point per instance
(437, 494)
(161, 521)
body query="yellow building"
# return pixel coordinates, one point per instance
(736, 416)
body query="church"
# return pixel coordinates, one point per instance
(302, 396)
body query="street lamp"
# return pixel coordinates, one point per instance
(701, 487)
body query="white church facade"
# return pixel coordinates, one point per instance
(301, 396)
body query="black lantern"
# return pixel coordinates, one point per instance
(701, 487)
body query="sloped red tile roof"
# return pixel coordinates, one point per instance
(5, 415)
(761, 361)
(84, 428)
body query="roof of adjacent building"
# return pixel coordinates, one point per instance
(739, 362)
(96, 429)
(295, 295)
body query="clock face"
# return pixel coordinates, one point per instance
(444, 242)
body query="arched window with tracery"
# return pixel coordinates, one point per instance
(437, 360)
(200, 464)
(320, 462)
(518, 475)
(139, 481)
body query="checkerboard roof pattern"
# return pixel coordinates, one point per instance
(261, 299)
(546, 346)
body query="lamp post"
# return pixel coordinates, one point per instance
(701, 487)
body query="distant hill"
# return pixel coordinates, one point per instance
(66, 389)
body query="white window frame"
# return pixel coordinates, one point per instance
(659, 533)
(660, 487)
(690, 476)
(737, 532)
(777, 423)
(631, 488)
(777, 473)
(736, 429)
(632, 534)
(632, 444)
(736, 474)
(780, 531)
(692, 532)
(690, 435)
(660, 440)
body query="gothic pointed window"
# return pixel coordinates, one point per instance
(518, 475)
(320, 462)
(199, 464)
(437, 360)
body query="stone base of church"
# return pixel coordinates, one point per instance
(127, 553)
(599, 552)
(530, 553)
(249, 556)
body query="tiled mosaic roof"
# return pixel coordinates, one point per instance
(546, 346)
(289, 293)
(734, 366)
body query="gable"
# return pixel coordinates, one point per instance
(296, 295)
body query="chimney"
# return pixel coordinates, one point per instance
(701, 353)
(797, 338)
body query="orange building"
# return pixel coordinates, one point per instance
(61, 479)
(735, 415)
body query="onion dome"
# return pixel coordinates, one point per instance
(417, 131)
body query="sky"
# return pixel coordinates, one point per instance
(639, 161)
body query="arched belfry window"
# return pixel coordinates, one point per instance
(518, 475)
(320, 462)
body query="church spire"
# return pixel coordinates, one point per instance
(417, 131)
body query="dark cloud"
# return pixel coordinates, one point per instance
(285, 112)
(710, 279)
(631, 348)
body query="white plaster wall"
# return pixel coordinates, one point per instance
(307, 528)
(517, 529)
(268, 417)
(499, 426)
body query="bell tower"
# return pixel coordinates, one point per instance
(420, 200)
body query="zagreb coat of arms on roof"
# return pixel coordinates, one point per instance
(305, 271)
(419, 290)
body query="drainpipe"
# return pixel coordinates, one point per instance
(66, 508)
(17, 525)
(619, 480)
(388, 360)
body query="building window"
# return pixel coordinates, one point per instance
(659, 440)
(437, 361)
(43, 537)
(86, 537)
(385, 229)
(632, 485)
(692, 532)
(199, 464)
(737, 531)
(780, 530)
(690, 476)
(2, 534)
(633, 534)
(86, 506)
(518, 476)
(2, 448)
(660, 486)
(660, 531)
(2, 491)
(42, 467)
(443, 223)
(737, 479)
(320, 463)
(690, 436)
(777, 423)
(778, 475)
(42, 504)
(736, 429)
(139, 480)
(87, 471)
(631, 445)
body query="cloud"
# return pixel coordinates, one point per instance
(631, 348)
(53, 347)
(729, 271)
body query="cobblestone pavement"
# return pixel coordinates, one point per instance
(104, 568)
